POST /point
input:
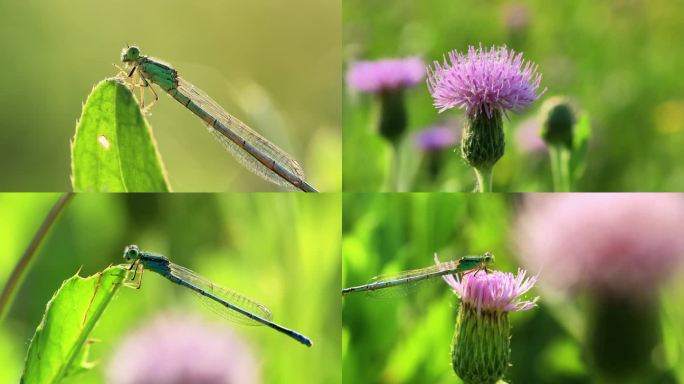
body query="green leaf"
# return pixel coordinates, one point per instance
(59, 347)
(113, 149)
(580, 145)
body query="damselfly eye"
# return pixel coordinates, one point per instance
(130, 54)
(131, 252)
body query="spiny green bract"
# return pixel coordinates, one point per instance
(481, 345)
(483, 141)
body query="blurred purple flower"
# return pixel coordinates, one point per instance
(484, 80)
(516, 17)
(180, 349)
(528, 137)
(437, 137)
(386, 74)
(493, 292)
(614, 243)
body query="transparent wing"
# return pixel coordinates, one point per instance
(259, 142)
(397, 291)
(415, 277)
(229, 296)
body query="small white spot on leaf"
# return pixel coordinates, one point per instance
(103, 141)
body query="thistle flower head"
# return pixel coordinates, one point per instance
(184, 350)
(493, 292)
(437, 137)
(622, 243)
(386, 74)
(483, 81)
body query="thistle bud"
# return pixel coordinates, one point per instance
(558, 117)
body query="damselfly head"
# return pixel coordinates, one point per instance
(131, 252)
(130, 54)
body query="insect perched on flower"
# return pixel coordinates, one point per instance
(482, 321)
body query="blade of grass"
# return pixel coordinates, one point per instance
(22, 267)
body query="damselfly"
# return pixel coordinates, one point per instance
(229, 304)
(400, 283)
(251, 149)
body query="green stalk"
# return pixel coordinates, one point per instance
(396, 168)
(484, 179)
(392, 125)
(22, 266)
(560, 168)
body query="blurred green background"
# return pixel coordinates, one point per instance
(408, 339)
(620, 61)
(281, 250)
(273, 64)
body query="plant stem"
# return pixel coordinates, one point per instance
(24, 262)
(395, 177)
(560, 168)
(484, 179)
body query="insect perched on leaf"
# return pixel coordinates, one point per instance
(252, 150)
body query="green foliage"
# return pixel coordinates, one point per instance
(113, 149)
(59, 347)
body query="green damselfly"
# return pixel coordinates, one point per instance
(251, 149)
(229, 304)
(400, 283)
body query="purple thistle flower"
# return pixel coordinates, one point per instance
(437, 137)
(622, 243)
(184, 350)
(484, 80)
(385, 75)
(493, 292)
